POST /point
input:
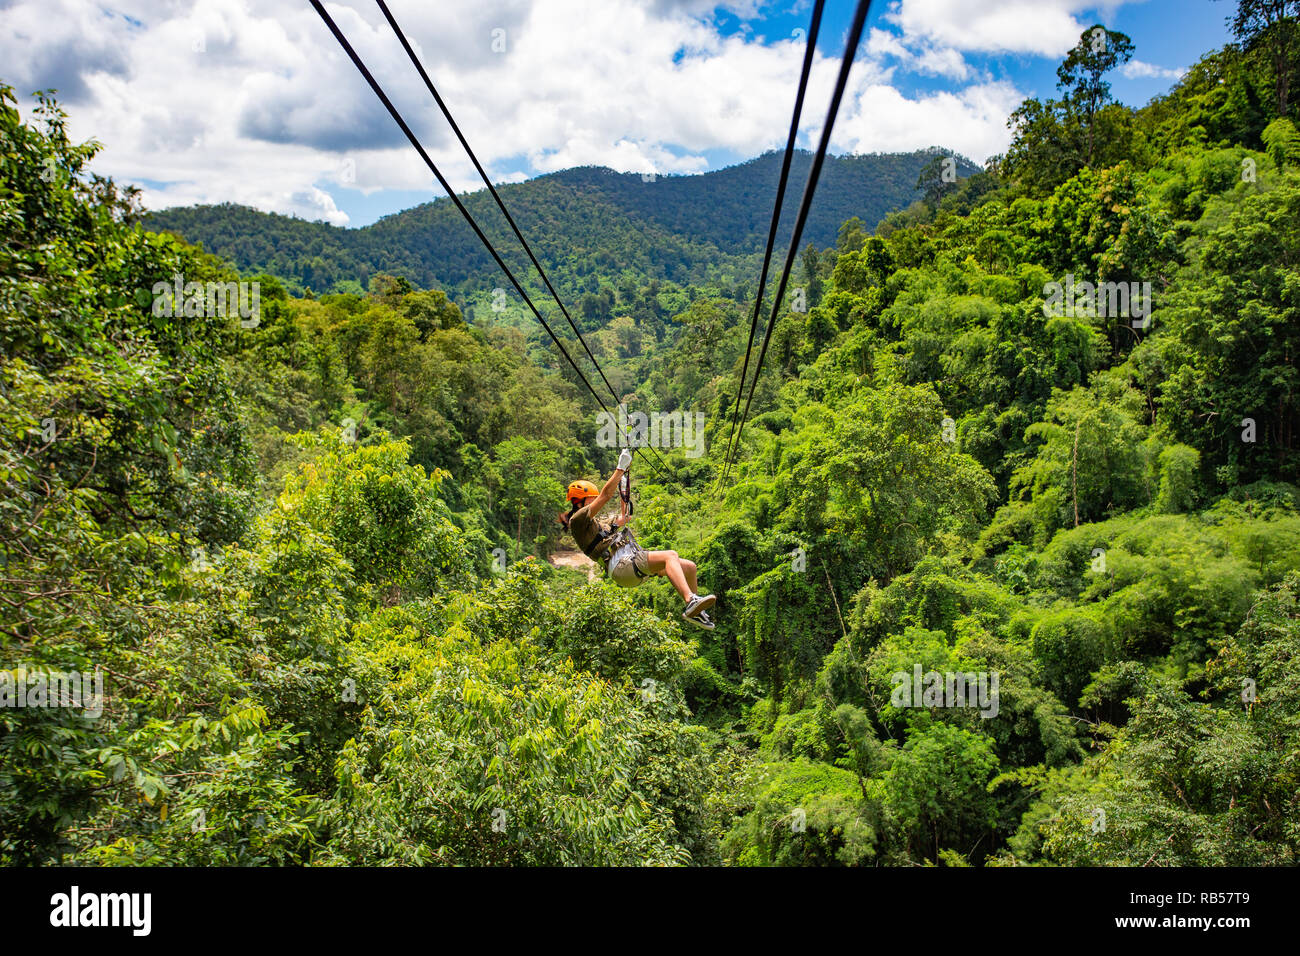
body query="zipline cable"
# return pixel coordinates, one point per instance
(455, 127)
(813, 28)
(850, 51)
(451, 193)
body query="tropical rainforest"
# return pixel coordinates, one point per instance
(308, 551)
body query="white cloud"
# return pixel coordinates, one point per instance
(971, 121)
(57, 44)
(1041, 27)
(922, 56)
(252, 101)
(1138, 70)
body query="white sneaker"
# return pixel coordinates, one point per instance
(701, 620)
(698, 604)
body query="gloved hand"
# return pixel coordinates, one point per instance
(624, 460)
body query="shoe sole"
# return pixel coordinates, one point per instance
(705, 604)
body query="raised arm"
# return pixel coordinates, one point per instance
(611, 486)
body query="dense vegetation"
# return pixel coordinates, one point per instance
(280, 542)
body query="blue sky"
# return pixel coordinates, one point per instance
(251, 101)
(1167, 33)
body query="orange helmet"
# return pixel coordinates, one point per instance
(582, 489)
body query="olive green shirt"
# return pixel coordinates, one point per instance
(586, 531)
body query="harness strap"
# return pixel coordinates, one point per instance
(622, 538)
(595, 551)
(625, 490)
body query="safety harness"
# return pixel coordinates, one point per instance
(622, 537)
(610, 541)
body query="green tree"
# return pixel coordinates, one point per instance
(1272, 25)
(1081, 76)
(1094, 459)
(1053, 139)
(431, 310)
(938, 179)
(937, 791)
(524, 475)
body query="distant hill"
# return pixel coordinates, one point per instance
(586, 224)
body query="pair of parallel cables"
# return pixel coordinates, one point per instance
(850, 49)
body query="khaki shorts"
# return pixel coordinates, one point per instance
(629, 566)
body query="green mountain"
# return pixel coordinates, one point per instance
(584, 223)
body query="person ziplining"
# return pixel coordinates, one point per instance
(626, 562)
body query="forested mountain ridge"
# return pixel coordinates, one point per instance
(307, 553)
(587, 224)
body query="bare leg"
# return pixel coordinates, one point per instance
(669, 565)
(688, 568)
